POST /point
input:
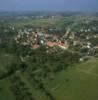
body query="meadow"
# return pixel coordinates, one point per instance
(75, 83)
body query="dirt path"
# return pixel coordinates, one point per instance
(88, 71)
(91, 68)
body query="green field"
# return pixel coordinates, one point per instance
(77, 83)
(5, 92)
(6, 60)
(38, 22)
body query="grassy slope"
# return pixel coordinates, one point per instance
(5, 93)
(72, 84)
(6, 60)
(81, 85)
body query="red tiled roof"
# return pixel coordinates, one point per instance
(51, 44)
(35, 46)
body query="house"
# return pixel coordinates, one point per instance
(51, 44)
(35, 46)
(61, 45)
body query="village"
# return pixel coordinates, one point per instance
(70, 40)
(42, 56)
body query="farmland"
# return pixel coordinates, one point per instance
(75, 83)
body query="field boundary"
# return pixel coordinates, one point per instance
(87, 72)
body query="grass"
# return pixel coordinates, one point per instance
(74, 84)
(95, 70)
(5, 60)
(5, 93)
(80, 86)
(89, 64)
(37, 94)
(77, 83)
(37, 22)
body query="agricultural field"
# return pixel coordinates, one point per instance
(75, 83)
(38, 22)
(79, 83)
